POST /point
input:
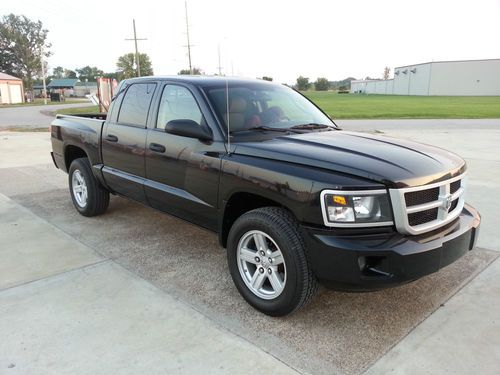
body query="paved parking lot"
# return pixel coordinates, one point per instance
(151, 292)
(33, 116)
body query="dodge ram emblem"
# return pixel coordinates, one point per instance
(446, 202)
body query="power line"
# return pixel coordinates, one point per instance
(135, 39)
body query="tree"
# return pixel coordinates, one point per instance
(58, 72)
(196, 71)
(343, 83)
(68, 73)
(127, 68)
(265, 78)
(321, 84)
(303, 83)
(113, 75)
(22, 42)
(89, 74)
(387, 72)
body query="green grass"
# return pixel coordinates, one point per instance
(26, 129)
(75, 111)
(39, 101)
(352, 106)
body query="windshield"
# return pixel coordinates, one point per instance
(264, 106)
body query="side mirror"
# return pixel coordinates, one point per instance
(188, 128)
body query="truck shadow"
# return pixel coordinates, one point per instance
(336, 333)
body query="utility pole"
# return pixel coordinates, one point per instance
(188, 41)
(135, 39)
(219, 67)
(43, 77)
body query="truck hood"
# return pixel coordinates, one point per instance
(393, 162)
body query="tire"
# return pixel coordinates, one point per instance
(87, 194)
(273, 287)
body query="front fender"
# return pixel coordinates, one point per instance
(293, 186)
(277, 181)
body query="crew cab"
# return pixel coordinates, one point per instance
(294, 199)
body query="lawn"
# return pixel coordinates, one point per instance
(353, 106)
(77, 110)
(39, 101)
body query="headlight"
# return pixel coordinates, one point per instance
(356, 208)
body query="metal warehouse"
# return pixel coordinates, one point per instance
(466, 77)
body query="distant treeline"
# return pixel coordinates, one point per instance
(343, 84)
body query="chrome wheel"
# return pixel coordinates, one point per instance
(261, 264)
(79, 188)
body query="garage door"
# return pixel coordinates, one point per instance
(15, 94)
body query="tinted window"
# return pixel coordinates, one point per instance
(263, 104)
(177, 103)
(135, 104)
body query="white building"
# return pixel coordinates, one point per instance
(85, 88)
(11, 89)
(464, 78)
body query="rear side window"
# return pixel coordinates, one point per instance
(135, 105)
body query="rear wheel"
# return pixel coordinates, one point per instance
(268, 261)
(87, 194)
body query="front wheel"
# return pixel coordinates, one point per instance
(87, 194)
(268, 261)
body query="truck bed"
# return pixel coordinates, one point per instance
(96, 116)
(82, 131)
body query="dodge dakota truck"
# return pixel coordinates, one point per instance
(294, 199)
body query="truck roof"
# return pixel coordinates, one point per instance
(203, 81)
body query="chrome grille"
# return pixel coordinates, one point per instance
(422, 217)
(414, 198)
(425, 208)
(453, 205)
(454, 186)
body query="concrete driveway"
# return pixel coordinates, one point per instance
(150, 293)
(32, 115)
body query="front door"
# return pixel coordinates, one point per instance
(182, 173)
(124, 142)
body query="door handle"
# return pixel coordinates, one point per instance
(156, 147)
(111, 138)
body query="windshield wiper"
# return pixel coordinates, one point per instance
(265, 128)
(312, 126)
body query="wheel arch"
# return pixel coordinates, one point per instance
(72, 152)
(240, 203)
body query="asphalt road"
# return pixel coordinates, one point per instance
(33, 115)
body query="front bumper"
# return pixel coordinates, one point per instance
(364, 262)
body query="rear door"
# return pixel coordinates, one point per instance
(183, 173)
(124, 139)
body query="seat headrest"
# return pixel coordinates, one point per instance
(238, 105)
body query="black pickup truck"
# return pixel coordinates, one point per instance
(293, 198)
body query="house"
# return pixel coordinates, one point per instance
(37, 91)
(85, 88)
(11, 89)
(63, 86)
